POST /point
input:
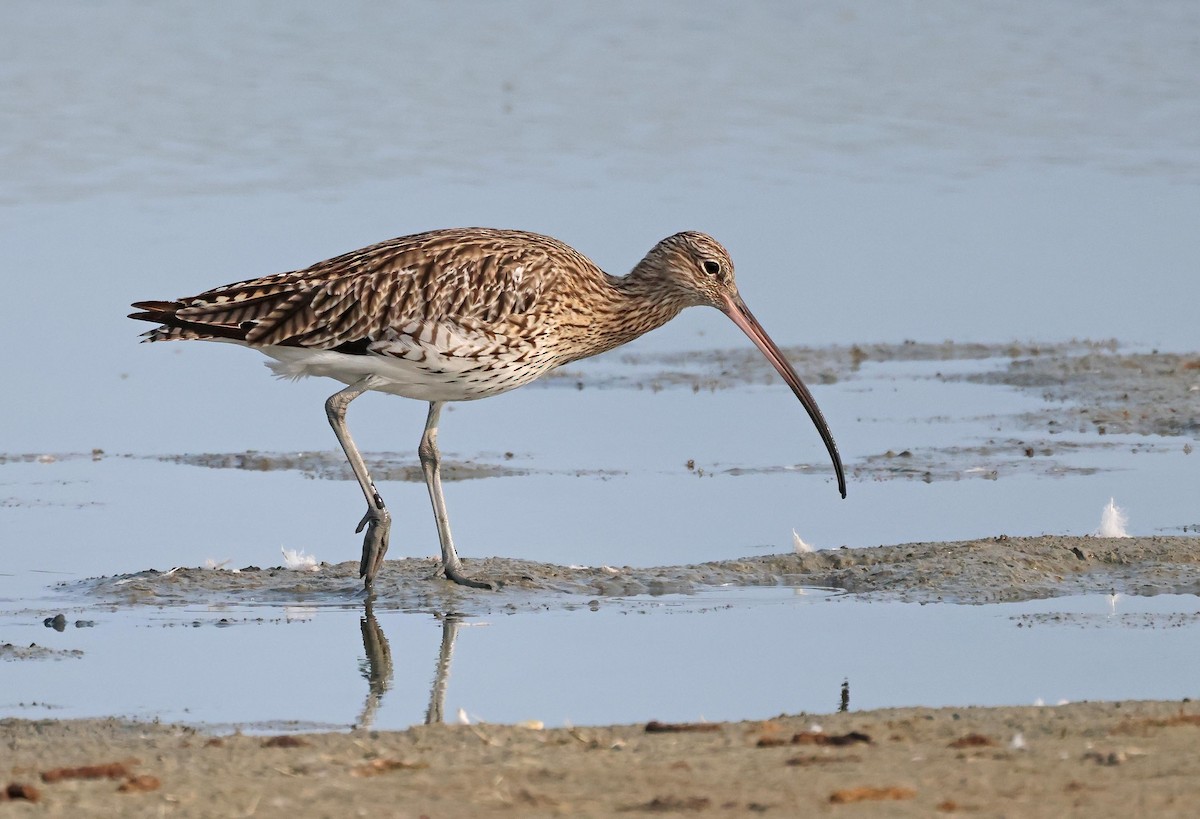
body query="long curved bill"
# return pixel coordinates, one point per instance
(737, 310)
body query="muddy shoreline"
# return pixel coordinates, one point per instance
(987, 570)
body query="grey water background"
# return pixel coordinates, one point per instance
(879, 172)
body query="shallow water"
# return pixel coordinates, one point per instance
(880, 174)
(620, 491)
(716, 655)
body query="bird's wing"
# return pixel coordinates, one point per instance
(474, 278)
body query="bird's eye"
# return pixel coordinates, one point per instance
(712, 268)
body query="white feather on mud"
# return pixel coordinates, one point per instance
(1112, 521)
(799, 545)
(297, 560)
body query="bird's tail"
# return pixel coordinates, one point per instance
(174, 328)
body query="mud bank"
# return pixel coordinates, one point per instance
(988, 570)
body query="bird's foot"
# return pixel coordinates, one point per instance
(378, 523)
(454, 574)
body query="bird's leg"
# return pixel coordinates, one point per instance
(378, 521)
(431, 466)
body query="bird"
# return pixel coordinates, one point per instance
(456, 315)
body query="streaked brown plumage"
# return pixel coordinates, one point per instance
(455, 315)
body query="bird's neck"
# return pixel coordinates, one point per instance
(625, 307)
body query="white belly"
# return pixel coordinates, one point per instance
(439, 378)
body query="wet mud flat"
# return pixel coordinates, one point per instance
(1102, 759)
(1095, 387)
(1098, 385)
(988, 570)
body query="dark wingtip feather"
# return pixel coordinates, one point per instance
(171, 306)
(160, 312)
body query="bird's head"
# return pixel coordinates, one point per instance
(695, 267)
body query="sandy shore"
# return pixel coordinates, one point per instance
(1098, 759)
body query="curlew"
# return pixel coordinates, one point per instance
(455, 315)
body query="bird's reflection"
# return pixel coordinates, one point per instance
(377, 668)
(437, 695)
